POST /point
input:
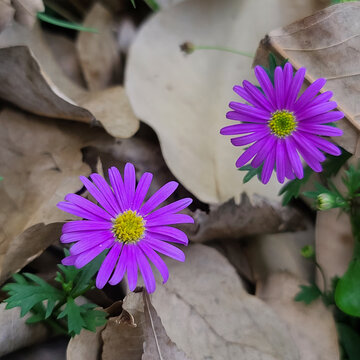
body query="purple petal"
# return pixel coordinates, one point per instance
(265, 84)
(131, 268)
(280, 160)
(250, 111)
(167, 233)
(324, 145)
(121, 266)
(82, 235)
(85, 257)
(295, 88)
(160, 196)
(322, 98)
(263, 152)
(78, 211)
(311, 160)
(108, 265)
(309, 112)
(170, 209)
(326, 118)
(69, 260)
(108, 200)
(170, 219)
(268, 167)
(248, 154)
(279, 87)
(294, 157)
(309, 94)
(90, 242)
(241, 129)
(165, 248)
(87, 205)
(141, 190)
(130, 182)
(155, 259)
(119, 189)
(84, 225)
(247, 139)
(257, 95)
(289, 174)
(145, 270)
(288, 76)
(234, 115)
(323, 130)
(303, 142)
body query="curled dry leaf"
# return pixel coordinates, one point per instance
(232, 221)
(99, 58)
(185, 98)
(327, 44)
(137, 333)
(312, 327)
(211, 316)
(15, 333)
(34, 81)
(40, 162)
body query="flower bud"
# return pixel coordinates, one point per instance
(308, 252)
(187, 47)
(325, 201)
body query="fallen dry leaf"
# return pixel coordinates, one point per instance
(26, 10)
(137, 333)
(6, 13)
(208, 314)
(34, 81)
(312, 327)
(185, 98)
(15, 333)
(324, 43)
(40, 161)
(232, 221)
(98, 54)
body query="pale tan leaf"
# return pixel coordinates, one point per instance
(42, 87)
(312, 327)
(15, 333)
(6, 13)
(326, 44)
(207, 313)
(98, 54)
(40, 162)
(26, 11)
(185, 98)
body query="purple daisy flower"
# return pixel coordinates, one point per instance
(282, 127)
(133, 231)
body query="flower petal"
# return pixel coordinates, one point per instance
(250, 111)
(234, 115)
(258, 95)
(280, 160)
(141, 190)
(129, 183)
(249, 153)
(263, 152)
(170, 219)
(323, 130)
(119, 188)
(84, 225)
(309, 94)
(131, 268)
(108, 265)
(279, 87)
(146, 271)
(170, 209)
(324, 145)
(82, 235)
(294, 158)
(121, 266)
(85, 257)
(78, 211)
(160, 196)
(325, 118)
(268, 167)
(241, 129)
(309, 112)
(295, 88)
(90, 242)
(165, 248)
(168, 233)
(247, 139)
(265, 84)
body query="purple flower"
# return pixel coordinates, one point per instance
(133, 231)
(282, 127)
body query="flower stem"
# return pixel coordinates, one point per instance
(225, 49)
(322, 275)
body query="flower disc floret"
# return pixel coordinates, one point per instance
(282, 123)
(129, 227)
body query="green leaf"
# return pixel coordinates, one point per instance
(62, 23)
(333, 164)
(347, 292)
(153, 5)
(251, 172)
(308, 294)
(27, 294)
(79, 317)
(350, 341)
(292, 189)
(133, 3)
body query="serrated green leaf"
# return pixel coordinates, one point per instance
(74, 319)
(308, 294)
(251, 172)
(27, 294)
(350, 341)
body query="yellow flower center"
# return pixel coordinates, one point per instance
(129, 227)
(282, 123)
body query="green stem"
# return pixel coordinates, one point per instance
(92, 283)
(220, 48)
(322, 275)
(153, 5)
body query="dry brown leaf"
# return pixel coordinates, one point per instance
(208, 314)
(6, 13)
(231, 221)
(15, 333)
(312, 327)
(34, 81)
(185, 98)
(26, 10)
(98, 54)
(40, 162)
(326, 44)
